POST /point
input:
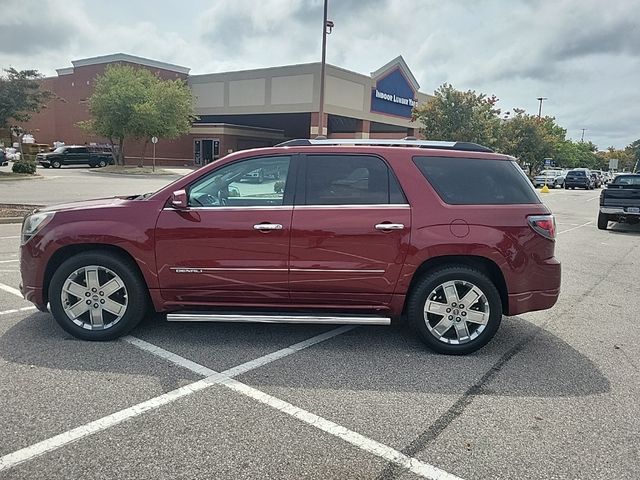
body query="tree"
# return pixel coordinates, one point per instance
(634, 149)
(453, 115)
(21, 96)
(134, 103)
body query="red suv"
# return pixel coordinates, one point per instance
(348, 232)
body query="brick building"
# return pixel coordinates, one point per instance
(245, 109)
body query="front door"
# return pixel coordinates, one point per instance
(350, 232)
(232, 243)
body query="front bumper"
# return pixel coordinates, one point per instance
(532, 301)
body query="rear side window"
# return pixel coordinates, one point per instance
(350, 180)
(468, 181)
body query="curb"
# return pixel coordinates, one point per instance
(5, 220)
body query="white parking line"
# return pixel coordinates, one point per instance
(16, 310)
(10, 237)
(592, 198)
(9, 261)
(390, 454)
(11, 290)
(574, 228)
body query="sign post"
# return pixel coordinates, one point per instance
(154, 140)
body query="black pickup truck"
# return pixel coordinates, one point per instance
(620, 201)
(75, 155)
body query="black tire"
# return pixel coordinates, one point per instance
(429, 283)
(136, 289)
(46, 166)
(102, 163)
(603, 221)
(56, 163)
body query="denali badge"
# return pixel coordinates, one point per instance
(187, 270)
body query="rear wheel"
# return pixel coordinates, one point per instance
(456, 310)
(102, 163)
(603, 221)
(56, 164)
(97, 296)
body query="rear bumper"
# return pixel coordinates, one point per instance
(617, 211)
(532, 301)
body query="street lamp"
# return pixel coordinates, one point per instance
(327, 28)
(540, 99)
(582, 137)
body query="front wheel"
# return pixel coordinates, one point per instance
(97, 296)
(456, 310)
(603, 221)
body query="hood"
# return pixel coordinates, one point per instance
(88, 204)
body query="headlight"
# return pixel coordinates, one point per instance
(34, 222)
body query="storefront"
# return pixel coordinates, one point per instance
(247, 109)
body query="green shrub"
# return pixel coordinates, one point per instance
(24, 166)
(278, 187)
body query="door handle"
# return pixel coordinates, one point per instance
(389, 226)
(267, 226)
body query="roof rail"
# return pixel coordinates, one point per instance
(388, 142)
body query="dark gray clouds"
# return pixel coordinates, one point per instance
(582, 54)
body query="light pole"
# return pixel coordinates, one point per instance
(540, 99)
(327, 27)
(582, 137)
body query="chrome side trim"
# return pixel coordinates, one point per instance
(403, 206)
(234, 208)
(262, 318)
(224, 269)
(336, 270)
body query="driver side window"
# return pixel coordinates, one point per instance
(255, 182)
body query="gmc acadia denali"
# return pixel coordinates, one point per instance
(353, 232)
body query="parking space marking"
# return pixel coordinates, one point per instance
(592, 198)
(16, 310)
(9, 237)
(364, 443)
(9, 261)
(575, 228)
(11, 290)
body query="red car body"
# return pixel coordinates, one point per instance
(324, 257)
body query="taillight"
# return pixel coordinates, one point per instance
(545, 225)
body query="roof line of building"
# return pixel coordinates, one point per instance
(123, 57)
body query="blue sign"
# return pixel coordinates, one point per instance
(393, 95)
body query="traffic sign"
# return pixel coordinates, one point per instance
(154, 139)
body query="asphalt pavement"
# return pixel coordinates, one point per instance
(554, 395)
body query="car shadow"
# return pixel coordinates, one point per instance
(522, 360)
(624, 229)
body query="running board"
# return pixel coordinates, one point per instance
(262, 318)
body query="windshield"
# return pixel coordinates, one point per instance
(59, 150)
(627, 180)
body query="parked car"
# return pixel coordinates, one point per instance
(596, 178)
(580, 178)
(260, 174)
(606, 176)
(620, 201)
(362, 231)
(75, 155)
(3, 158)
(550, 178)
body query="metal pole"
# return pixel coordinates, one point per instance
(322, 69)
(153, 166)
(582, 138)
(540, 99)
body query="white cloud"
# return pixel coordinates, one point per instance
(581, 54)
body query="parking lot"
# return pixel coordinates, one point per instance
(554, 395)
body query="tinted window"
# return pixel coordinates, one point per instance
(465, 181)
(255, 182)
(627, 180)
(576, 173)
(77, 150)
(350, 180)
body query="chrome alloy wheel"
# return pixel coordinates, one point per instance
(456, 312)
(94, 297)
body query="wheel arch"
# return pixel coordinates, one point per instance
(69, 251)
(483, 264)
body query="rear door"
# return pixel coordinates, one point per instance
(76, 155)
(350, 231)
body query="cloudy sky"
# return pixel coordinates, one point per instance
(584, 55)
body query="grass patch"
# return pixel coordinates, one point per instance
(130, 170)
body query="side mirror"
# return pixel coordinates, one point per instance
(179, 199)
